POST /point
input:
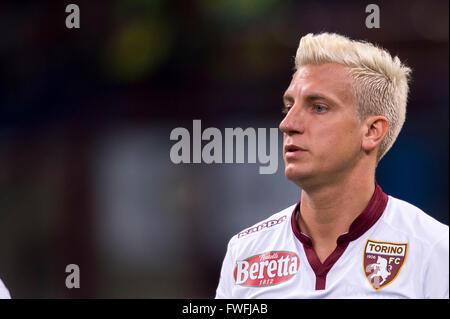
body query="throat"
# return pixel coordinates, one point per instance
(323, 236)
(324, 249)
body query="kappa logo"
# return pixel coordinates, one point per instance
(266, 269)
(266, 224)
(383, 261)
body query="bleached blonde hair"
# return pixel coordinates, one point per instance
(380, 81)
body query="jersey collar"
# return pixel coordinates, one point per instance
(359, 226)
(368, 217)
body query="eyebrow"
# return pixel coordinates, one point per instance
(310, 97)
(288, 98)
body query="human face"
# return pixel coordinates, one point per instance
(322, 132)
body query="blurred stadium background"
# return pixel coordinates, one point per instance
(85, 118)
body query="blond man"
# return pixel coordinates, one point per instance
(345, 238)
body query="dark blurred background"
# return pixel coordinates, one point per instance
(86, 114)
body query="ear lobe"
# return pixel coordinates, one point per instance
(376, 129)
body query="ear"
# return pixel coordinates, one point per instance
(375, 130)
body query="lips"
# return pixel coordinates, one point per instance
(293, 152)
(292, 148)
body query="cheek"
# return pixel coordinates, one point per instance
(340, 141)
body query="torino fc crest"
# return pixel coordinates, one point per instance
(383, 261)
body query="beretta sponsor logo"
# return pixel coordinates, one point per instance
(266, 269)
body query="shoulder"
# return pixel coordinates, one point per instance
(264, 228)
(4, 293)
(409, 219)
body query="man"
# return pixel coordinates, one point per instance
(345, 238)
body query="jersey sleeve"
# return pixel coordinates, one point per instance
(4, 293)
(224, 289)
(436, 283)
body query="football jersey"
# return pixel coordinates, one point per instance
(392, 250)
(4, 293)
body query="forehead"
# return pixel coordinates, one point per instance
(328, 79)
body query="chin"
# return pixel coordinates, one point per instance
(296, 174)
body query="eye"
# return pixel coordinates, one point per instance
(319, 108)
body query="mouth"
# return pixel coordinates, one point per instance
(291, 148)
(292, 151)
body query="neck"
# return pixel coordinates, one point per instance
(327, 212)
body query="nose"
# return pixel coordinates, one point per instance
(292, 122)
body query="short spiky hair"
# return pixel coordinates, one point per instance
(380, 81)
